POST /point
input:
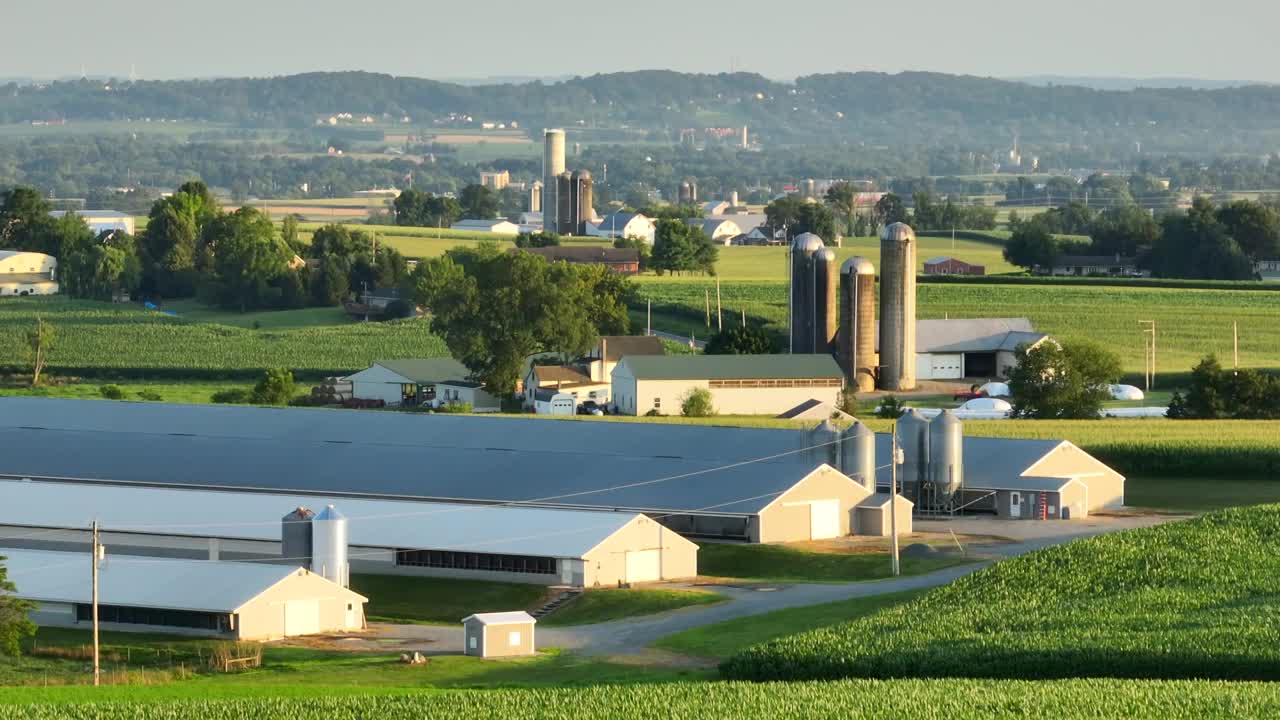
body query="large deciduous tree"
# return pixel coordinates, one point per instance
(478, 202)
(25, 223)
(247, 259)
(496, 309)
(15, 623)
(1031, 246)
(739, 340)
(681, 247)
(172, 243)
(1067, 381)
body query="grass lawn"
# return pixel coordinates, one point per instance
(143, 667)
(409, 599)
(597, 606)
(780, 563)
(195, 392)
(724, 639)
(1199, 494)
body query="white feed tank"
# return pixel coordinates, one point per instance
(823, 443)
(946, 455)
(858, 455)
(329, 546)
(913, 438)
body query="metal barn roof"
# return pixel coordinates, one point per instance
(564, 479)
(545, 532)
(732, 367)
(220, 587)
(501, 618)
(601, 438)
(975, 336)
(426, 370)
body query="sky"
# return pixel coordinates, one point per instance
(486, 38)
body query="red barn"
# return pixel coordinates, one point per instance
(950, 266)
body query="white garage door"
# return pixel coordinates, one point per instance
(824, 519)
(301, 617)
(644, 566)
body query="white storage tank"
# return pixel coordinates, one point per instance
(858, 455)
(329, 546)
(946, 456)
(823, 443)
(913, 438)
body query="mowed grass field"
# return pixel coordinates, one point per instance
(1188, 599)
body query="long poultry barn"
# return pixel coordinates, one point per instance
(716, 482)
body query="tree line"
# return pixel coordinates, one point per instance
(192, 248)
(1206, 241)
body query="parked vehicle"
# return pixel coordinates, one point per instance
(591, 407)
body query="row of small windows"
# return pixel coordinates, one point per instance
(772, 383)
(153, 616)
(477, 561)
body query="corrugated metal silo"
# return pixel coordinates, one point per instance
(329, 546)
(856, 342)
(946, 456)
(824, 300)
(858, 455)
(295, 536)
(803, 312)
(898, 308)
(913, 438)
(823, 443)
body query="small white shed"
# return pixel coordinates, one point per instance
(498, 634)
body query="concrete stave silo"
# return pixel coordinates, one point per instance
(552, 167)
(329, 546)
(564, 204)
(581, 201)
(856, 341)
(802, 313)
(898, 308)
(824, 300)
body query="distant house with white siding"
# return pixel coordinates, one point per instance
(27, 273)
(739, 384)
(501, 227)
(420, 381)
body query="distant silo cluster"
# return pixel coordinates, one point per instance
(565, 197)
(535, 197)
(820, 324)
(688, 191)
(898, 308)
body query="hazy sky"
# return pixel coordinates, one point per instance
(1225, 39)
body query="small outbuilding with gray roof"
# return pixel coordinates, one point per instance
(739, 384)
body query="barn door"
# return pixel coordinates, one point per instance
(824, 519)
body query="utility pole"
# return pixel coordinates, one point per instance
(649, 325)
(1149, 330)
(706, 296)
(1235, 345)
(719, 309)
(893, 502)
(96, 553)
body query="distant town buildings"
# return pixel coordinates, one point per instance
(495, 180)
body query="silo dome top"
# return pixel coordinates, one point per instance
(330, 513)
(825, 254)
(898, 232)
(581, 174)
(858, 266)
(807, 242)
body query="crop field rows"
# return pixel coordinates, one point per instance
(98, 339)
(906, 699)
(1190, 599)
(1191, 323)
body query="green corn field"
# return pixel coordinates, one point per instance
(1189, 599)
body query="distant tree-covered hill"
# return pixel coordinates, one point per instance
(863, 108)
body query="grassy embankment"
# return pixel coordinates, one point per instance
(781, 563)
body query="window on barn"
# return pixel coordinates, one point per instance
(528, 564)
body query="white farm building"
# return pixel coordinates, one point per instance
(739, 384)
(242, 601)
(27, 273)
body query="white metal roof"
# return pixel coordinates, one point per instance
(501, 618)
(545, 532)
(222, 587)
